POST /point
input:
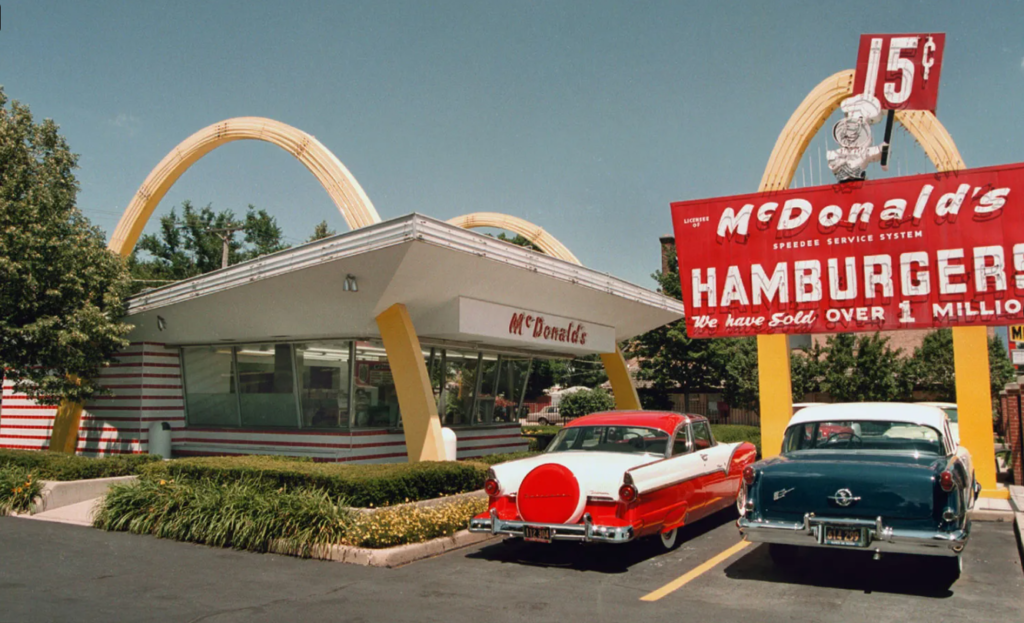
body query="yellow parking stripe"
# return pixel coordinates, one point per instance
(684, 579)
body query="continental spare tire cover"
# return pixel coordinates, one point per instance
(550, 494)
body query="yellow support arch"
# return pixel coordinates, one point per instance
(626, 398)
(346, 192)
(534, 233)
(970, 344)
(422, 426)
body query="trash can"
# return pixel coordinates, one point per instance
(160, 439)
(450, 444)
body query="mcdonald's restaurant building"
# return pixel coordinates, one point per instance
(357, 347)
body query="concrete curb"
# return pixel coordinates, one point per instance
(57, 494)
(1017, 503)
(404, 554)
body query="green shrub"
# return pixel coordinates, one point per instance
(539, 437)
(494, 459)
(244, 514)
(410, 524)
(58, 466)
(732, 433)
(359, 484)
(18, 488)
(585, 402)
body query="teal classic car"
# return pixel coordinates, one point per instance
(879, 477)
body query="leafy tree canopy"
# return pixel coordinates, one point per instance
(321, 231)
(584, 402)
(188, 245)
(933, 370)
(61, 295)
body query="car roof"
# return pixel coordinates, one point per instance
(941, 405)
(872, 411)
(667, 421)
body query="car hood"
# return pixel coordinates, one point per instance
(599, 473)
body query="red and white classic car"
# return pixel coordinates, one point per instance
(614, 477)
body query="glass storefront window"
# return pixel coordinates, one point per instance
(323, 370)
(375, 401)
(460, 381)
(210, 386)
(340, 383)
(266, 385)
(512, 378)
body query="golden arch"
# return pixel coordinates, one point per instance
(535, 234)
(970, 345)
(348, 195)
(815, 110)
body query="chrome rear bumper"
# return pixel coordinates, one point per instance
(879, 537)
(586, 532)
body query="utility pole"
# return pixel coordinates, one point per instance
(225, 234)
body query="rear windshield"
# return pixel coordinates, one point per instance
(863, 435)
(625, 439)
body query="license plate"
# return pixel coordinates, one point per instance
(537, 534)
(844, 537)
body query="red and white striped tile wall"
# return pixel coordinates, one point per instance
(146, 384)
(363, 446)
(147, 387)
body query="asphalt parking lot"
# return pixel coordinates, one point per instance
(55, 572)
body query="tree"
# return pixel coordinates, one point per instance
(321, 231)
(584, 402)
(864, 368)
(62, 291)
(933, 370)
(187, 246)
(672, 361)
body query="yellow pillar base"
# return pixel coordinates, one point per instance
(995, 494)
(775, 384)
(626, 398)
(64, 436)
(420, 422)
(974, 403)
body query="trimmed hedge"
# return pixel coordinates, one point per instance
(731, 433)
(539, 436)
(58, 466)
(359, 485)
(494, 459)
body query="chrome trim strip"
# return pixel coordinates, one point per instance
(586, 532)
(881, 538)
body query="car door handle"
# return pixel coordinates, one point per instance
(704, 456)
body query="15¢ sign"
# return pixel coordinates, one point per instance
(902, 71)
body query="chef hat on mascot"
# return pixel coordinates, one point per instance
(866, 107)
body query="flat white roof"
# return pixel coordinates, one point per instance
(426, 264)
(872, 412)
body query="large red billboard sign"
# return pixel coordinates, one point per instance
(914, 252)
(902, 71)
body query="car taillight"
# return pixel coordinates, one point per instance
(492, 487)
(749, 475)
(627, 493)
(946, 481)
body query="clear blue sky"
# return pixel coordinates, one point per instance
(587, 118)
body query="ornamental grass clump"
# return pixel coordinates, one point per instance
(411, 524)
(245, 514)
(18, 489)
